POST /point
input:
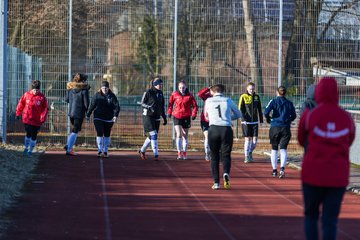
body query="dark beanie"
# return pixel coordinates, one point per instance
(105, 84)
(157, 81)
(35, 84)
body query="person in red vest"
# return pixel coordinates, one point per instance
(328, 132)
(183, 107)
(33, 107)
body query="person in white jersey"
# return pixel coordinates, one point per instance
(220, 111)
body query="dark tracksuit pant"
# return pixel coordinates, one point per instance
(220, 143)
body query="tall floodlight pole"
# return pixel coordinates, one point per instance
(280, 42)
(175, 56)
(69, 53)
(3, 68)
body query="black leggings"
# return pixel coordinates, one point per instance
(103, 129)
(31, 131)
(76, 123)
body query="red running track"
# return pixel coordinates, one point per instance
(123, 197)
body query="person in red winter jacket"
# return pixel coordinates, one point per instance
(33, 107)
(328, 131)
(183, 106)
(205, 94)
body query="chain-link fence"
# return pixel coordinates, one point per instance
(218, 41)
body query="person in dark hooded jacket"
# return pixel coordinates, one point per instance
(279, 112)
(329, 132)
(77, 95)
(309, 102)
(106, 111)
(153, 106)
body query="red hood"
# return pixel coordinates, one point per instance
(327, 91)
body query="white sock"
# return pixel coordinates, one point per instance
(185, 143)
(27, 142)
(283, 157)
(145, 145)
(106, 144)
(206, 146)
(154, 147)
(71, 141)
(32, 145)
(253, 144)
(99, 141)
(246, 147)
(274, 154)
(179, 144)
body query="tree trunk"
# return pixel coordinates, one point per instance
(253, 49)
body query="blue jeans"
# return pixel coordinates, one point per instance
(330, 198)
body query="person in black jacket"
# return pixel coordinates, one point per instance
(77, 95)
(106, 110)
(153, 105)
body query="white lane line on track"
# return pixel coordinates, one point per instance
(106, 205)
(287, 199)
(217, 221)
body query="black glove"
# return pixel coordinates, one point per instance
(17, 117)
(169, 115)
(268, 120)
(165, 121)
(193, 117)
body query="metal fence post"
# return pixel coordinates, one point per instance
(3, 68)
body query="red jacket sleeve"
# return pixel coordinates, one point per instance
(171, 103)
(204, 93)
(45, 109)
(195, 106)
(21, 105)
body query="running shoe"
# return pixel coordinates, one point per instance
(282, 173)
(142, 155)
(226, 181)
(71, 153)
(156, 158)
(274, 173)
(99, 154)
(216, 186)
(179, 156)
(25, 152)
(247, 159)
(106, 155)
(29, 154)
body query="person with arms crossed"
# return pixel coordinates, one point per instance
(77, 95)
(33, 107)
(329, 132)
(251, 113)
(106, 111)
(220, 111)
(182, 106)
(205, 94)
(153, 105)
(279, 112)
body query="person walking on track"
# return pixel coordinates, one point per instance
(250, 108)
(205, 94)
(220, 111)
(329, 132)
(182, 106)
(106, 111)
(77, 95)
(33, 107)
(153, 105)
(279, 112)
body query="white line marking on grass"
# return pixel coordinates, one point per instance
(217, 221)
(106, 205)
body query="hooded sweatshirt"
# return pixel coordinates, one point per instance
(329, 132)
(309, 102)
